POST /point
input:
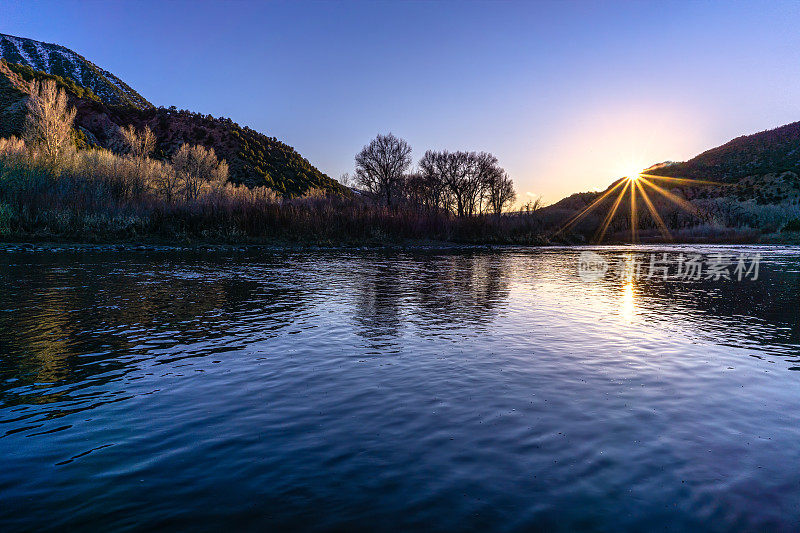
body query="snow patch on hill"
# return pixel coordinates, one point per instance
(60, 61)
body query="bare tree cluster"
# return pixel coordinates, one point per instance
(193, 166)
(49, 121)
(381, 165)
(140, 144)
(47, 134)
(196, 165)
(464, 183)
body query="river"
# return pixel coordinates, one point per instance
(355, 390)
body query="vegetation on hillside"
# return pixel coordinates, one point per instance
(68, 84)
(768, 152)
(705, 213)
(255, 160)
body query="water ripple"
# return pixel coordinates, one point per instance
(357, 390)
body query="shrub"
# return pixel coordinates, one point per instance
(792, 225)
(6, 219)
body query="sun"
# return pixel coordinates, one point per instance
(632, 172)
(629, 169)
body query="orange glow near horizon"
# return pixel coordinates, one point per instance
(601, 144)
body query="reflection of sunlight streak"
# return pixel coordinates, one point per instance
(629, 270)
(659, 221)
(591, 206)
(628, 306)
(670, 196)
(613, 211)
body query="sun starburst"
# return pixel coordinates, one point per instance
(635, 185)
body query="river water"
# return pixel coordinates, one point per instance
(347, 390)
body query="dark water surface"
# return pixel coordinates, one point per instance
(345, 390)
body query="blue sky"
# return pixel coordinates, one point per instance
(568, 95)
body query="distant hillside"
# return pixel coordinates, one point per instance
(768, 152)
(13, 93)
(254, 158)
(750, 185)
(60, 61)
(763, 167)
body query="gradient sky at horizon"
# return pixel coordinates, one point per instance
(568, 95)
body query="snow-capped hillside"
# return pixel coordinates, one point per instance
(60, 61)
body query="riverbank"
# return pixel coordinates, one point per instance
(163, 245)
(153, 246)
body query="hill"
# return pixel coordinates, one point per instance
(254, 158)
(763, 167)
(61, 61)
(749, 184)
(768, 152)
(105, 107)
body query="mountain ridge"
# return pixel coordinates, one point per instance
(59, 60)
(769, 151)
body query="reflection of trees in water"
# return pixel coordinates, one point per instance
(88, 321)
(378, 301)
(461, 290)
(435, 293)
(82, 322)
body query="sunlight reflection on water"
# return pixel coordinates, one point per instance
(628, 306)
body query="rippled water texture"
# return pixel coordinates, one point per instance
(336, 390)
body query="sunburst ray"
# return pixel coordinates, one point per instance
(653, 212)
(634, 218)
(688, 206)
(610, 216)
(589, 208)
(684, 181)
(631, 186)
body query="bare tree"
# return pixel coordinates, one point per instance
(196, 165)
(533, 205)
(381, 164)
(415, 191)
(168, 183)
(454, 170)
(433, 167)
(500, 191)
(482, 168)
(140, 144)
(49, 120)
(346, 180)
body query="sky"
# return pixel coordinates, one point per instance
(568, 95)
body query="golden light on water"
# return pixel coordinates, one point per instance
(627, 308)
